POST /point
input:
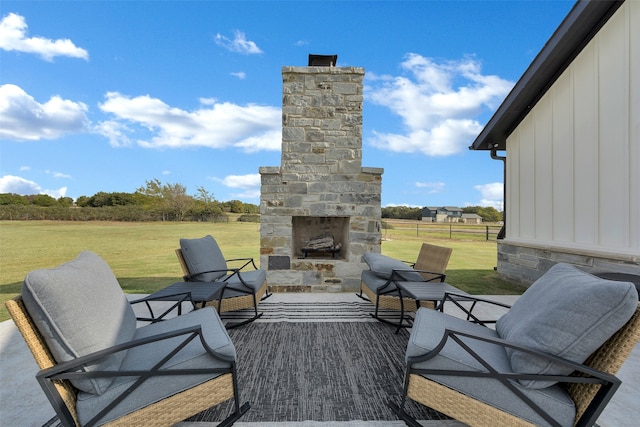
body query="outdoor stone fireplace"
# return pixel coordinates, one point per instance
(320, 210)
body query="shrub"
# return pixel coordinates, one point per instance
(249, 218)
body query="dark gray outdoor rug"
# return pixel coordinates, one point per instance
(337, 371)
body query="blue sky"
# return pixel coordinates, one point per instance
(106, 95)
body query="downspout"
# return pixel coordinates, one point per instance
(495, 156)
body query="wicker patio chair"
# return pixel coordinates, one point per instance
(378, 283)
(541, 366)
(202, 260)
(164, 375)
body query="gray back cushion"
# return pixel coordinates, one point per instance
(203, 256)
(79, 308)
(568, 313)
(383, 266)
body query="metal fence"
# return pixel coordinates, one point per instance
(441, 230)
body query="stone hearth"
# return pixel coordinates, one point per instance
(321, 187)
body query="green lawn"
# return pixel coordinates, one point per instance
(143, 259)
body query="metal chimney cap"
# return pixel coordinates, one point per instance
(322, 60)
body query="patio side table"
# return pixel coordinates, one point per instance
(193, 292)
(423, 291)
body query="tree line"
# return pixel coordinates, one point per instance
(155, 201)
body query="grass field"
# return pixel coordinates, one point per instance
(142, 254)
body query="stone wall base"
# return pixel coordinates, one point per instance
(523, 264)
(317, 275)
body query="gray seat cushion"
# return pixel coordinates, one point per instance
(193, 356)
(253, 278)
(427, 332)
(374, 282)
(383, 266)
(79, 308)
(203, 256)
(568, 313)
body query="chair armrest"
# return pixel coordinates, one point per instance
(393, 277)
(238, 272)
(247, 261)
(456, 299)
(69, 370)
(189, 333)
(234, 272)
(438, 276)
(189, 277)
(177, 300)
(455, 335)
(396, 274)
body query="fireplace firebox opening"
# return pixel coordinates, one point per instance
(320, 237)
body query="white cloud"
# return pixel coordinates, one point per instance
(432, 187)
(239, 44)
(56, 194)
(25, 168)
(491, 195)
(208, 101)
(61, 175)
(438, 103)
(13, 29)
(18, 185)
(218, 125)
(247, 194)
(249, 184)
(242, 181)
(240, 75)
(270, 140)
(25, 119)
(115, 132)
(444, 139)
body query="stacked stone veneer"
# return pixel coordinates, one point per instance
(320, 177)
(524, 263)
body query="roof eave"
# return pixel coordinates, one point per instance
(576, 30)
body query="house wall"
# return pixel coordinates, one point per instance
(573, 164)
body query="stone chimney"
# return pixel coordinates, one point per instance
(321, 188)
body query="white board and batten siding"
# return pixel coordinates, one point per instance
(573, 164)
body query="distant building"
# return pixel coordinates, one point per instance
(442, 214)
(471, 218)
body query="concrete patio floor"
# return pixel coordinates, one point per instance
(23, 404)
